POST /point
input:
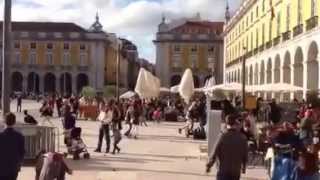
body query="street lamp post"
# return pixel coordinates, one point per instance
(6, 56)
(244, 79)
(118, 70)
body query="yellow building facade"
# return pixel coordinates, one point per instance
(279, 40)
(194, 44)
(53, 57)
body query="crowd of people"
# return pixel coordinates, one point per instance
(291, 146)
(290, 143)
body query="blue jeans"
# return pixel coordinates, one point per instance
(313, 177)
(221, 176)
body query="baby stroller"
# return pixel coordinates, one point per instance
(75, 144)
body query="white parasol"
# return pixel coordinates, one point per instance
(128, 95)
(277, 87)
(148, 86)
(186, 87)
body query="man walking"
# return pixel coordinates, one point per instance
(11, 151)
(105, 117)
(231, 151)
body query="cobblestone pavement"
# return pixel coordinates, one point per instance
(159, 153)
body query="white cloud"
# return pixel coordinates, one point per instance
(136, 20)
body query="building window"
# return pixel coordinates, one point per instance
(278, 24)
(49, 46)
(32, 59)
(193, 61)
(251, 16)
(82, 47)
(314, 6)
(257, 11)
(66, 59)
(17, 58)
(251, 40)
(299, 12)
(17, 45)
(49, 59)
(288, 18)
(262, 34)
(177, 48)
(247, 41)
(33, 45)
(82, 59)
(210, 49)
(257, 37)
(270, 30)
(66, 46)
(263, 5)
(211, 63)
(176, 60)
(194, 49)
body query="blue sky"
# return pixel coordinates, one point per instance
(136, 20)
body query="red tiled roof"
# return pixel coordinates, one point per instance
(45, 27)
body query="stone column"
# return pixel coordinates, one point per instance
(41, 83)
(74, 83)
(305, 78)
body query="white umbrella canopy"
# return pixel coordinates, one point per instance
(147, 86)
(225, 87)
(210, 82)
(277, 87)
(164, 89)
(186, 87)
(174, 89)
(127, 95)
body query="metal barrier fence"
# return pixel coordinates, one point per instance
(38, 138)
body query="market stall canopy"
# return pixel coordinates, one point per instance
(210, 82)
(128, 95)
(174, 89)
(225, 87)
(148, 86)
(186, 86)
(277, 87)
(164, 89)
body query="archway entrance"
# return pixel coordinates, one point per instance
(82, 81)
(313, 68)
(286, 74)
(196, 81)
(175, 80)
(262, 71)
(298, 71)
(66, 84)
(49, 83)
(33, 83)
(16, 82)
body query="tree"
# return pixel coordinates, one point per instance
(109, 91)
(88, 92)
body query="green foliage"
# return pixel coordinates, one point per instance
(109, 91)
(88, 92)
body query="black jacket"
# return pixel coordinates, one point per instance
(69, 121)
(11, 151)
